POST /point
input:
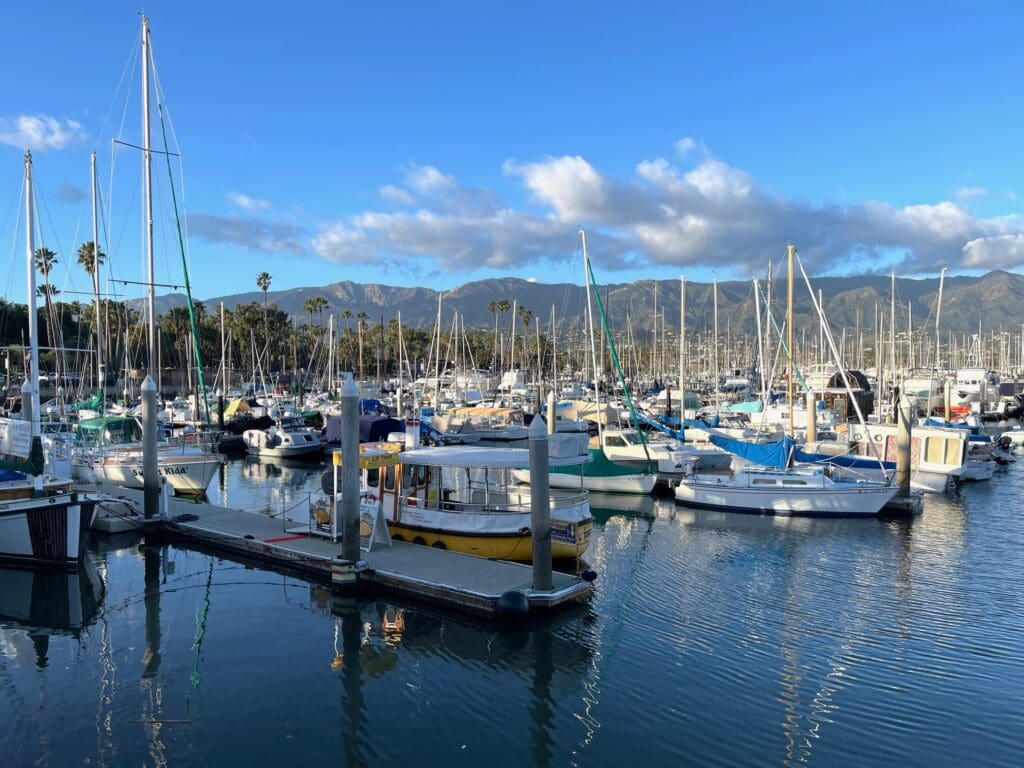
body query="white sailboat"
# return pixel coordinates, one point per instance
(42, 521)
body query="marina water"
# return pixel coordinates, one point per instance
(712, 639)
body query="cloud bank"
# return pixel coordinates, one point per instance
(694, 210)
(40, 132)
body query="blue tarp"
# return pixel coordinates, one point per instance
(774, 454)
(9, 475)
(846, 460)
(372, 429)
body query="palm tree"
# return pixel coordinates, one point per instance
(45, 259)
(492, 307)
(263, 283)
(89, 255)
(309, 305)
(362, 317)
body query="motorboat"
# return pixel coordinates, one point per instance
(289, 437)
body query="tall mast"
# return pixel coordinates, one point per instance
(714, 356)
(96, 278)
(30, 300)
(147, 174)
(790, 390)
(938, 316)
(593, 347)
(223, 365)
(682, 348)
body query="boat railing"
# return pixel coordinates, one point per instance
(497, 502)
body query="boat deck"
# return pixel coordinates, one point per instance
(455, 580)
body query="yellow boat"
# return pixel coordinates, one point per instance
(463, 498)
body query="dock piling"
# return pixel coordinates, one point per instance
(540, 504)
(350, 470)
(903, 445)
(551, 412)
(150, 472)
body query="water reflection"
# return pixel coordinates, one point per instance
(41, 603)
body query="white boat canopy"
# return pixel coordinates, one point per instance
(474, 457)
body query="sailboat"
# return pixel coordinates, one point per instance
(109, 448)
(771, 486)
(42, 521)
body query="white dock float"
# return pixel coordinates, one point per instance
(455, 580)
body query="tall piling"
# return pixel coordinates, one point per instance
(812, 417)
(903, 445)
(540, 505)
(350, 470)
(150, 471)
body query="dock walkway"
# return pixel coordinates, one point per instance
(464, 582)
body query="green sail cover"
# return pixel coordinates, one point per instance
(598, 466)
(92, 404)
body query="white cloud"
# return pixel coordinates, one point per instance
(247, 203)
(702, 213)
(966, 194)
(996, 252)
(40, 132)
(392, 194)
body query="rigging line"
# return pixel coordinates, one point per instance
(129, 66)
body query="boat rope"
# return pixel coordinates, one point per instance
(184, 266)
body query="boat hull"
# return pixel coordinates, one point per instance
(639, 483)
(568, 540)
(187, 476)
(48, 531)
(719, 494)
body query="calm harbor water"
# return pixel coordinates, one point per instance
(713, 639)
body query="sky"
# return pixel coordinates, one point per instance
(434, 144)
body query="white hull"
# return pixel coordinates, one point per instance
(744, 493)
(186, 475)
(634, 484)
(975, 471)
(45, 531)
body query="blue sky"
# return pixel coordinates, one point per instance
(432, 144)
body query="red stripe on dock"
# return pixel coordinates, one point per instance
(285, 538)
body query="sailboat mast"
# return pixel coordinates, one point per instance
(714, 356)
(791, 379)
(682, 348)
(96, 277)
(938, 316)
(593, 347)
(30, 299)
(147, 172)
(223, 366)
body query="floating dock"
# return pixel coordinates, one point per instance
(451, 579)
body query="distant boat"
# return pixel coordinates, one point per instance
(800, 491)
(289, 438)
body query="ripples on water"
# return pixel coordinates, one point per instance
(713, 639)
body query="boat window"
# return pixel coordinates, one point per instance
(421, 475)
(934, 449)
(794, 482)
(614, 441)
(762, 481)
(373, 477)
(389, 479)
(408, 476)
(632, 439)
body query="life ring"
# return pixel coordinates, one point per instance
(878, 438)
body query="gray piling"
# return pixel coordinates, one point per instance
(350, 470)
(903, 445)
(540, 505)
(150, 472)
(812, 417)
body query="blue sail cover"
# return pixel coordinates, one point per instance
(774, 454)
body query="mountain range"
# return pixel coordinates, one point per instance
(993, 301)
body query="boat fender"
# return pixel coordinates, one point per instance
(371, 498)
(512, 605)
(524, 531)
(588, 575)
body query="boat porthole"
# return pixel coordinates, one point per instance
(439, 545)
(419, 540)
